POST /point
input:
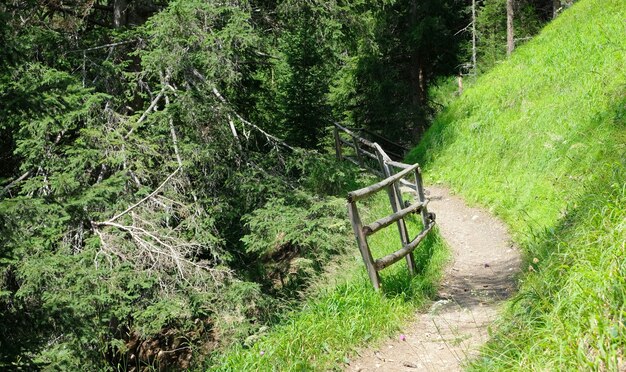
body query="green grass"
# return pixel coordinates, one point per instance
(541, 141)
(345, 312)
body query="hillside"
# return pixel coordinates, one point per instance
(541, 141)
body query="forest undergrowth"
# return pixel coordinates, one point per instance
(341, 312)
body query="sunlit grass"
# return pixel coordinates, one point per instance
(346, 313)
(541, 141)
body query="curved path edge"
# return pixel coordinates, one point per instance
(481, 274)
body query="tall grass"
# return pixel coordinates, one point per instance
(541, 141)
(344, 312)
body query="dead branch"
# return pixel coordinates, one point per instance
(269, 137)
(173, 134)
(15, 182)
(145, 114)
(151, 244)
(234, 132)
(153, 193)
(275, 140)
(104, 46)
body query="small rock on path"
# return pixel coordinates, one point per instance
(480, 276)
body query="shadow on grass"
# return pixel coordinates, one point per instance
(575, 288)
(429, 258)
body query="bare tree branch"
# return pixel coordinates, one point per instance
(221, 98)
(15, 182)
(173, 134)
(153, 193)
(145, 114)
(103, 46)
(267, 135)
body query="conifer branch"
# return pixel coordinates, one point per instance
(174, 136)
(103, 46)
(221, 98)
(15, 182)
(244, 121)
(29, 172)
(145, 113)
(152, 194)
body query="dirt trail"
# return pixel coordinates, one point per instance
(480, 276)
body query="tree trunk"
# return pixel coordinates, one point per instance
(474, 36)
(119, 13)
(556, 5)
(510, 42)
(416, 68)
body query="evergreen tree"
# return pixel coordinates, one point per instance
(406, 47)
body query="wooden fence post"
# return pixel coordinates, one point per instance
(357, 226)
(357, 149)
(395, 199)
(337, 143)
(419, 187)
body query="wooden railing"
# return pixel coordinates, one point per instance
(363, 151)
(391, 183)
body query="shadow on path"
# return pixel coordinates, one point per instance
(482, 273)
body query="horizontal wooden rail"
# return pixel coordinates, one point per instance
(347, 143)
(396, 256)
(408, 184)
(394, 154)
(386, 221)
(400, 210)
(352, 160)
(369, 155)
(384, 139)
(356, 162)
(397, 164)
(366, 153)
(387, 140)
(354, 135)
(369, 190)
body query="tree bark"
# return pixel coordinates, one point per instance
(510, 42)
(556, 5)
(416, 70)
(119, 13)
(474, 36)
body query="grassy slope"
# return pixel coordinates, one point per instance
(541, 140)
(345, 312)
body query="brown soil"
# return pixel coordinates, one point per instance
(480, 276)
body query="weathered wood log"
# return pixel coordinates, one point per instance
(354, 135)
(396, 256)
(337, 144)
(352, 160)
(355, 220)
(358, 151)
(395, 198)
(354, 145)
(347, 143)
(369, 154)
(355, 162)
(419, 186)
(389, 152)
(369, 190)
(394, 154)
(408, 184)
(379, 150)
(386, 221)
(402, 229)
(384, 139)
(397, 164)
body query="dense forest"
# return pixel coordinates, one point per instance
(166, 187)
